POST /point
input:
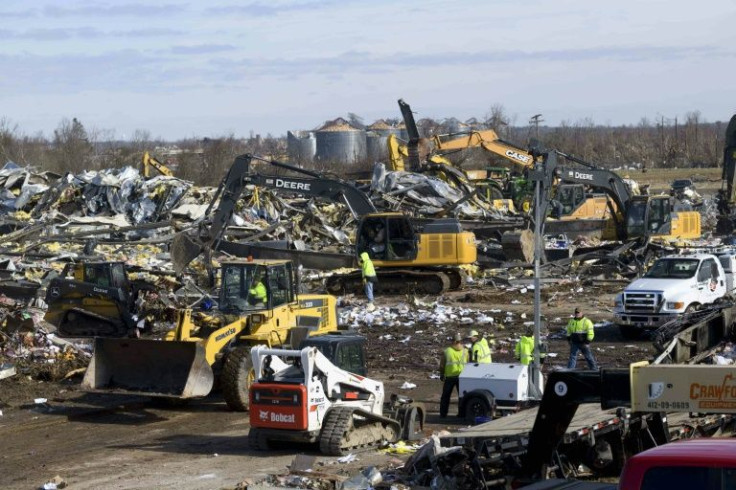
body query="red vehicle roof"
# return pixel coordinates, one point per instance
(693, 452)
(711, 452)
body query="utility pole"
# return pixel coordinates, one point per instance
(535, 120)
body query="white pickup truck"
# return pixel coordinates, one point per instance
(674, 285)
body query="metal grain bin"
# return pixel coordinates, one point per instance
(338, 141)
(376, 147)
(302, 146)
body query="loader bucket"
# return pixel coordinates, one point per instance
(149, 367)
(184, 249)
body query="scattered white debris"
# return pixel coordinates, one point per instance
(349, 458)
(408, 386)
(40, 401)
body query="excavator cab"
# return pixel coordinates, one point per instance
(387, 237)
(649, 215)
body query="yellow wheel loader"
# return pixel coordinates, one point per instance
(257, 305)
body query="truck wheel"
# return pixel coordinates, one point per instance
(692, 308)
(414, 425)
(629, 332)
(236, 378)
(477, 406)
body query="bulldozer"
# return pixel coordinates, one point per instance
(94, 298)
(257, 304)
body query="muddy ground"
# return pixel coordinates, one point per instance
(105, 441)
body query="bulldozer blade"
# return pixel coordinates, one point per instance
(157, 368)
(184, 249)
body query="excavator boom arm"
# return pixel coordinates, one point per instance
(185, 249)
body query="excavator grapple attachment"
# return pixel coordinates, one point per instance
(184, 249)
(149, 367)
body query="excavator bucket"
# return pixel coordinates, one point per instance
(184, 249)
(158, 368)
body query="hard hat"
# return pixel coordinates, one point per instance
(577, 311)
(458, 337)
(473, 333)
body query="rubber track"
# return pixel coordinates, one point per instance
(337, 424)
(257, 440)
(398, 281)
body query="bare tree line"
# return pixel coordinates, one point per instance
(664, 143)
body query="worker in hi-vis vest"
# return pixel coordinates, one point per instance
(452, 363)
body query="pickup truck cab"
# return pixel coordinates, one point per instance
(695, 463)
(674, 285)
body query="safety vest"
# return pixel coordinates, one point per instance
(455, 361)
(525, 350)
(366, 265)
(481, 352)
(582, 325)
(259, 292)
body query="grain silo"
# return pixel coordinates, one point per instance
(377, 140)
(302, 146)
(338, 141)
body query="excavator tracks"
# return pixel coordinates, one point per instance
(343, 432)
(399, 281)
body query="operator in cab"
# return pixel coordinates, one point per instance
(257, 294)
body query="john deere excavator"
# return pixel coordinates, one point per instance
(405, 259)
(258, 304)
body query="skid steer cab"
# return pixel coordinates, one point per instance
(93, 299)
(257, 305)
(300, 395)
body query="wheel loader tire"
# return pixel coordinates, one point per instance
(236, 378)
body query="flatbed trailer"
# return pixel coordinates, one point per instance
(597, 441)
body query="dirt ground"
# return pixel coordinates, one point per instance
(106, 441)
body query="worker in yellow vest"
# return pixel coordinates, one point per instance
(452, 363)
(369, 278)
(480, 351)
(524, 350)
(580, 334)
(257, 295)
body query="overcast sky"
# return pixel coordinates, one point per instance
(215, 67)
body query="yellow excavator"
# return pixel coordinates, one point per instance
(258, 304)
(414, 256)
(148, 163)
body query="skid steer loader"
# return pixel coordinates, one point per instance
(258, 305)
(302, 396)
